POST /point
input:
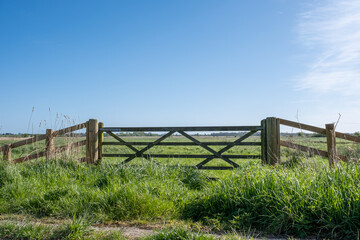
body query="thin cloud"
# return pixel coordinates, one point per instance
(331, 30)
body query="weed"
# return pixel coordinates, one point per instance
(179, 234)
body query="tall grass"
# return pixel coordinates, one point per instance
(291, 199)
(106, 192)
(298, 201)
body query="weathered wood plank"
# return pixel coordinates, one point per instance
(7, 153)
(239, 140)
(180, 156)
(272, 140)
(214, 168)
(28, 141)
(49, 144)
(87, 154)
(43, 136)
(310, 150)
(184, 143)
(191, 129)
(92, 144)
(137, 154)
(347, 137)
(304, 148)
(302, 126)
(69, 129)
(263, 142)
(30, 157)
(209, 149)
(331, 143)
(121, 141)
(56, 150)
(101, 140)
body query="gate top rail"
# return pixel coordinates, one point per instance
(164, 129)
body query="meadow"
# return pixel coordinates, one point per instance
(301, 197)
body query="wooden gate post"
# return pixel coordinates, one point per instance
(331, 143)
(49, 144)
(92, 129)
(272, 143)
(263, 142)
(101, 139)
(7, 153)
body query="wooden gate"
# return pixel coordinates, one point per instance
(246, 130)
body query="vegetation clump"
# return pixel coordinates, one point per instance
(293, 199)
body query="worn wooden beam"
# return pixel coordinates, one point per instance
(56, 150)
(263, 142)
(92, 144)
(121, 141)
(101, 140)
(87, 154)
(215, 168)
(49, 144)
(331, 143)
(179, 155)
(209, 149)
(7, 153)
(310, 150)
(190, 129)
(184, 143)
(239, 140)
(69, 129)
(302, 126)
(272, 140)
(30, 157)
(28, 141)
(304, 148)
(139, 153)
(347, 137)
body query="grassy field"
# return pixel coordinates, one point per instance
(300, 197)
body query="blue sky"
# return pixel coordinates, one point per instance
(167, 63)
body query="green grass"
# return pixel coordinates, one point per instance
(78, 229)
(187, 234)
(179, 234)
(298, 201)
(10, 230)
(300, 197)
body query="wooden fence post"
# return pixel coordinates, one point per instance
(92, 129)
(7, 153)
(272, 134)
(263, 142)
(101, 139)
(49, 144)
(331, 143)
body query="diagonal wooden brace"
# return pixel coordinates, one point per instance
(122, 141)
(216, 154)
(242, 138)
(139, 153)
